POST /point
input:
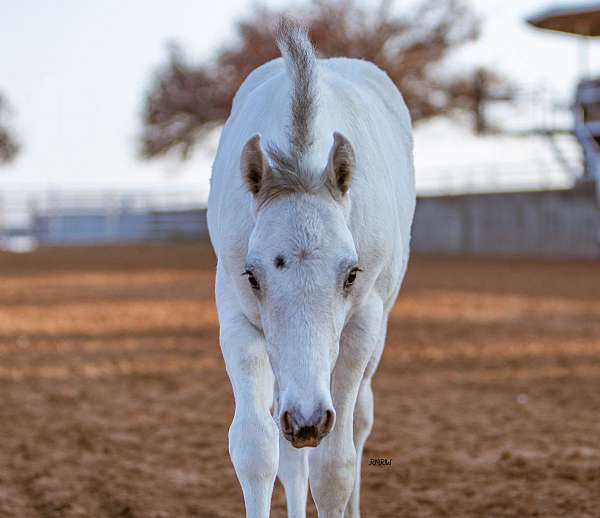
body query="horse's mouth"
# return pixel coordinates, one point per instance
(306, 443)
(303, 441)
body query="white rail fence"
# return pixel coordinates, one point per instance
(491, 177)
(68, 217)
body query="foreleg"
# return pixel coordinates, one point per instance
(332, 466)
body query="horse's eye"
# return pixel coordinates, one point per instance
(252, 280)
(351, 277)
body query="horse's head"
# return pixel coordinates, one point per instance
(302, 265)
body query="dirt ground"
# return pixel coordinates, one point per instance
(114, 400)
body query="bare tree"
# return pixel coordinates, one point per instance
(186, 101)
(8, 145)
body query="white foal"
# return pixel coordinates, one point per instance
(311, 203)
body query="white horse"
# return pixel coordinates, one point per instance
(310, 209)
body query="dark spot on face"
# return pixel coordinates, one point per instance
(279, 261)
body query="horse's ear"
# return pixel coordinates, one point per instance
(253, 164)
(341, 164)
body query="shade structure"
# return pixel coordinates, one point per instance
(581, 20)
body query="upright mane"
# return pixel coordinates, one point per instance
(301, 62)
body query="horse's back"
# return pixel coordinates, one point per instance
(355, 98)
(371, 78)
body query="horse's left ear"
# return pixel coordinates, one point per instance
(341, 163)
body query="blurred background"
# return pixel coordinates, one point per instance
(110, 115)
(113, 396)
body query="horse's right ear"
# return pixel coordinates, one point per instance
(341, 164)
(253, 164)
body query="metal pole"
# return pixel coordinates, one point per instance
(584, 57)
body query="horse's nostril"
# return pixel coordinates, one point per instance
(286, 424)
(327, 422)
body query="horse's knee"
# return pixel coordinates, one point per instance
(253, 446)
(333, 473)
(363, 420)
(331, 480)
(363, 413)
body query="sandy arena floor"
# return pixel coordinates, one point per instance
(114, 400)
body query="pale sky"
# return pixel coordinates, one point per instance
(75, 73)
